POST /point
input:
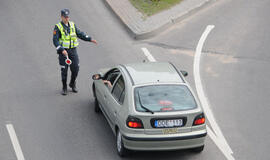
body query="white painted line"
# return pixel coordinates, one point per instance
(220, 144)
(216, 134)
(15, 142)
(148, 55)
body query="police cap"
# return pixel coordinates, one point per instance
(65, 12)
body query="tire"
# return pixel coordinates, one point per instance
(97, 109)
(121, 150)
(94, 90)
(198, 149)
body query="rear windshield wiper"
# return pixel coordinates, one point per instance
(145, 108)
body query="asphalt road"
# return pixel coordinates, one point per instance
(234, 70)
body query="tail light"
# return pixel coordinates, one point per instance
(200, 119)
(133, 122)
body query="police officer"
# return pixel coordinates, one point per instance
(65, 40)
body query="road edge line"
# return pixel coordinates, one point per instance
(219, 138)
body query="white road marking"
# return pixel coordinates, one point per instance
(15, 142)
(216, 135)
(148, 55)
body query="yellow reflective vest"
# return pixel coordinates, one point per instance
(68, 40)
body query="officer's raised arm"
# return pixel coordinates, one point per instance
(83, 36)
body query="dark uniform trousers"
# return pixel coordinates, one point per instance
(74, 67)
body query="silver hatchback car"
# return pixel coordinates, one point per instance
(149, 106)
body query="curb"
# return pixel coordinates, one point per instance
(140, 27)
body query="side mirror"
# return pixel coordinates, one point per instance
(96, 77)
(185, 73)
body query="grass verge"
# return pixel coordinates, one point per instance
(150, 7)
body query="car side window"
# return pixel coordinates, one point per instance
(119, 90)
(111, 76)
(121, 99)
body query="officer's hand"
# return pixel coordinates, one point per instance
(64, 52)
(94, 41)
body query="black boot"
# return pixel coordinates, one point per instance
(72, 85)
(64, 91)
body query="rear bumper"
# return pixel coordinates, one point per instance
(161, 142)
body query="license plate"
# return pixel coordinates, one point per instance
(169, 130)
(168, 123)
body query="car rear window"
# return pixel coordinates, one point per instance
(163, 98)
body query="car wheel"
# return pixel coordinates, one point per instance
(198, 149)
(94, 90)
(121, 150)
(97, 109)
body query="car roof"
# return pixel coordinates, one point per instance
(153, 72)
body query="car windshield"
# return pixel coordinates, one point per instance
(162, 98)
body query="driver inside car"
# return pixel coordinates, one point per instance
(106, 82)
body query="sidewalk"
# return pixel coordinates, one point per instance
(142, 27)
